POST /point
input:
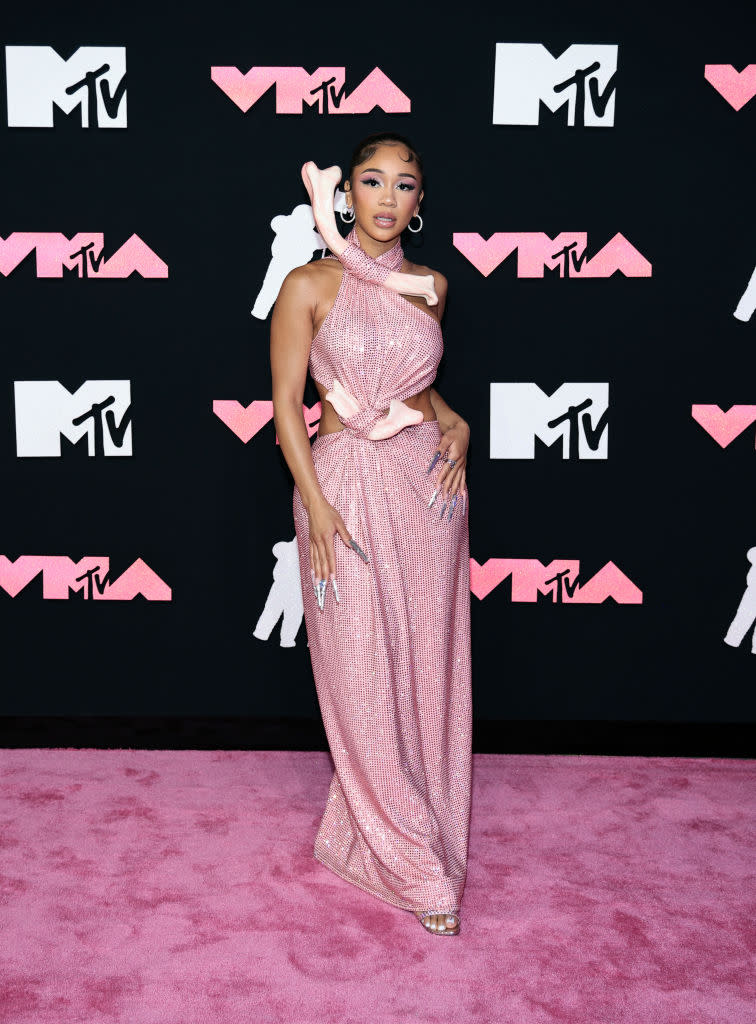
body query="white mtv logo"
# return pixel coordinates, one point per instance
(577, 413)
(99, 409)
(583, 77)
(92, 79)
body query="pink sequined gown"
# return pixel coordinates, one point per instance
(391, 661)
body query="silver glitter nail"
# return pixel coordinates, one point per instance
(441, 516)
(434, 460)
(453, 506)
(433, 498)
(359, 550)
(335, 588)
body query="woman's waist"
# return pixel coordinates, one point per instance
(330, 422)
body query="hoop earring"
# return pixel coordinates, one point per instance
(347, 220)
(415, 230)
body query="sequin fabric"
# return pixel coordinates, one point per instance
(391, 661)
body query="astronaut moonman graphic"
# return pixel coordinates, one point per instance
(294, 244)
(746, 613)
(284, 597)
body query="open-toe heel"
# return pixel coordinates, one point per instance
(449, 924)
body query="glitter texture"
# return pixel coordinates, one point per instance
(391, 661)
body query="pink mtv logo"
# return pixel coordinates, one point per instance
(324, 88)
(559, 578)
(83, 252)
(61, 575)
(737, 87)
(246, 421)
(724, 427)
(536, 250)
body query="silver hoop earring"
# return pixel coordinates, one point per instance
(415, 230)
(347, 220)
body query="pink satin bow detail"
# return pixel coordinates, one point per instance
(398, 416)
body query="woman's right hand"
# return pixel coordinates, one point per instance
(325, 522)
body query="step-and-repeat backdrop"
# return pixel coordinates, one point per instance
(589, 195)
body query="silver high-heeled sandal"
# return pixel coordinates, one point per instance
(446, 929)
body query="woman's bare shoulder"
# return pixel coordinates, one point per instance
(313, 283)
(317, 274)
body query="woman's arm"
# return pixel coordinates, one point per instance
(446, 416)
(290, 340)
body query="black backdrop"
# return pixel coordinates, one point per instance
(199, 181)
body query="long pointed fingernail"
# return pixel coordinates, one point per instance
(441, 516)
(359, 550)
(453, 505)
(335, 588)
(314, 585)
(434, 460)
(321, 593)
(433, 498)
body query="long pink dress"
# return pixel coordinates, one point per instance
(391, 661)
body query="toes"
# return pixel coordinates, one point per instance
(439, 922)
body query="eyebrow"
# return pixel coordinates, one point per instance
(404, 174)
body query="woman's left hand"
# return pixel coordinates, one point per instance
(453, 446)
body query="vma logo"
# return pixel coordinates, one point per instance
(99, 410)
(91, 577)
(526, 75)
(83, 254)
(324, 89)
(558, 580)
(92, 81)
(566, 254)
(576, 414)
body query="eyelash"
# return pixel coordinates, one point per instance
(369, 181)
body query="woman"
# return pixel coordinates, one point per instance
(390, 644)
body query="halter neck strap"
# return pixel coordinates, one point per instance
(392, 258)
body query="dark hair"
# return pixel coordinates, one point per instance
(365, 149)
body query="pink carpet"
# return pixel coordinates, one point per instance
(162, 887)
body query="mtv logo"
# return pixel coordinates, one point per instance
(576, 413)
(98, 409)
(92, 79)
(583, 77)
